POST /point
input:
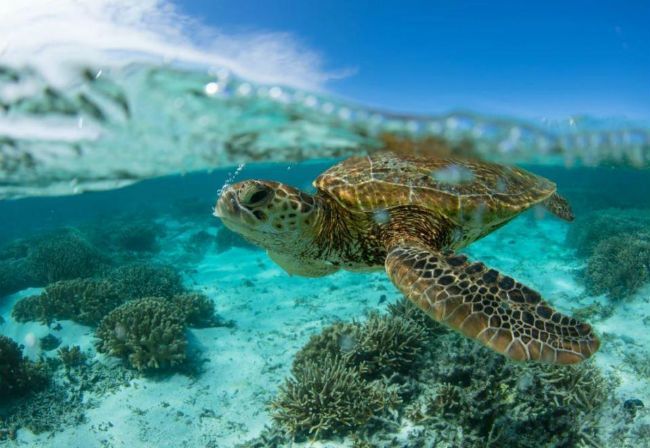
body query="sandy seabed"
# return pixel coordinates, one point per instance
(274, 314)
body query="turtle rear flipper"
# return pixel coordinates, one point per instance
(489, 307)
(559, 206)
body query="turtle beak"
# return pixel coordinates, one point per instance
(227, 204)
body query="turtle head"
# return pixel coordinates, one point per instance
(269, 214)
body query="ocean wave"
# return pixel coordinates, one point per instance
(106, 93)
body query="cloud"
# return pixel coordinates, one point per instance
(52, 36)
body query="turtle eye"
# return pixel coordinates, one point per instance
(256, 197)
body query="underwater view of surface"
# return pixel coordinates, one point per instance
(433, 289)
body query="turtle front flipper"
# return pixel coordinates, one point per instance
(489, 307)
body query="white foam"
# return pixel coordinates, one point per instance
(56, 36)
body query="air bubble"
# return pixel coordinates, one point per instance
(453, 175)
(381, 216)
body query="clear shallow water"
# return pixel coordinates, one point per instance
(238, 321)
(235, 367)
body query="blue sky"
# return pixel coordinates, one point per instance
(548, 59)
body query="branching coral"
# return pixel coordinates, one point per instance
(380, 347)
(125, 233)
(197, 310)
(590, 229)
(406, 309)
(13, 277)
(139, 280)
(63, 255)
(619, 265)
(329, 397)
(18, 375)
(385, 345)
(454, 391)
(137, 236)
(148, 333)
(495, 402)
(71, 356)
(85, 301)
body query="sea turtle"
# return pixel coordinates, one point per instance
(409, 215)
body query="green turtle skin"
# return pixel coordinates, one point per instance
(409, 215)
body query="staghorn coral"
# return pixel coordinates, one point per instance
(382, 346)
(456, 393)
(329, 397)
(18, 375)
(147, 333)
(619, 266)
(333, 341)
(139, 280)
(385, 345)
(494, 402)
(85, 301)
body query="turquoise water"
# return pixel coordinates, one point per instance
(238, 360)
(130, 316)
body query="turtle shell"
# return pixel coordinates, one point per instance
(459, 189)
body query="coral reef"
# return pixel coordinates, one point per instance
(138, 237)
(71, 356)
(616, 243)
(18, 375)
(64, 402)
(197, 310)
(128, 233)
(619, 265)
(85, 301)
(382, 346)
(13, 277)
(590, 229)
(88, 301)
(63, 255)
(329, 397)
(491, 401)
(386, 345)
(148, 333)
(139, 280)
(455, 392)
